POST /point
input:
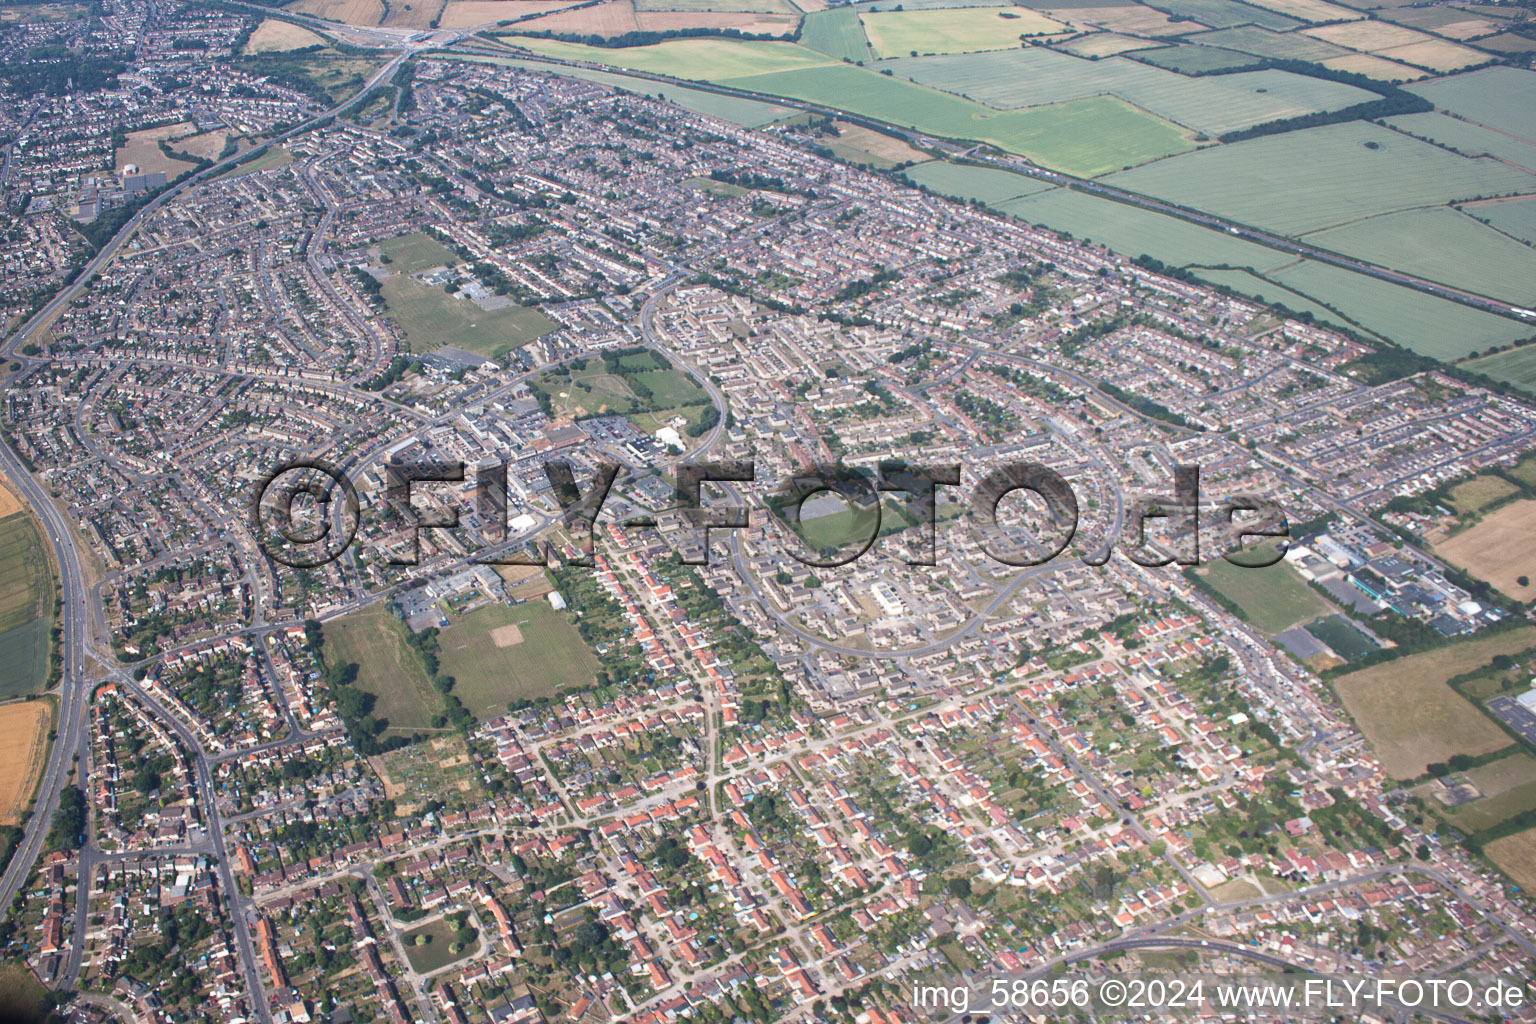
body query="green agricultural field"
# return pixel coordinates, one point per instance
(1273, 598)
(1262, 290)
(962, 181)
(1261, 42)
(1501, 98)
(1430, 326)
(898, 33)
(1318, 177)
(1413, 718)
(1516, 367)
(1466, 138)
(1347, 641)
(1441, 245)
(26, 606)
(431, 318)
(502, 653)
(374, 640)
(1084, 137)
(1212, 105)
(702, 60)
(1225, 13)
(1516, 218)
(1191, 59)
(836, 33)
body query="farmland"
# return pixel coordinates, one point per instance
(1413, 718)
(962, 181)
(836, 33)
(1225, 13)
(1516, 367)
(1508, 785)
(1516, 217)
(1194, 60)
(696, 59)
(896, 33)
(1501, 548)
(502, 653)
(464, 13)
(1105, 44)
(24, 728)
(26, 605)
(351, 12)
(1212, 105)
(1501, 98)
(1467, 138)
(1441, 245)
(273, 35)
(374, 640)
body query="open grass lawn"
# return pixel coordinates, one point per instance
(274, 35)
(590, 390)
(1516, 855)
(142, 150)
(1500, 549)
(1474, 495)
(1509, 788)
(22, 996)
(431, 318)
(1273, 598)
(857, 144)
(415, 252)
(273, 158)
(26, 606)
(374, 639)
(835, 32)
(435, 955)
(898, 33)
(1413, 718)
(501, 653)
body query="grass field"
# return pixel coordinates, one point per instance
(898, 33)
(1104, 44)
(22, 996)
(1442, 245)
(962, 181)
(1413, 718)
(1516, 367)
(352, 12)
(1264, 290)
(274, 35)
(1501, 98)
(1345, 640)
(1428, 325)
(1264, 43)
(1374, 67)
(611, 18)
(374, 639)
(431, 318)
(590, 390)
(464, 13)
(208, 145)
(1476, 494)
(1516, 856)
(1310, 10)
(1085, 137)
(768, 6)
(857, 144)
(1131, 19)
(1212, 105)
(1273, 598)
(539, 656)
(1316, 178)
(273, 158)
(703, 60)
(1451, 22)
(1508, 786)
(24, 727)
(1467, 138)
(435, 955)
(1225, 13)
(415, 252)
(143, 151)
(1190, 59)
(835, 32)
(26, 606)
(1500, 549)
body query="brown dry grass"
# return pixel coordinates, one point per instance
(350, 12)
(1516, 854)
(412, 13)
(273, 36)
(10, 501)
(1500, 549)
(750, 23)
(143, 150)
(1435, 54)
(1411, 716)
(607, 19)
(23, 744)
(1375, 67)
(1130, 20)
(467, 13)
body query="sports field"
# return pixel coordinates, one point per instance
(431, 318)
(24, 727)
(1345, 640)
(1318, 177)
(1500, 549)
(26, 604)
(502, 653)
(415, 252)
(1516, 855)
(836, 33)
(1442, 245)
(1411, 716)
(898, 33)
(1273, 598)
(374, 639)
